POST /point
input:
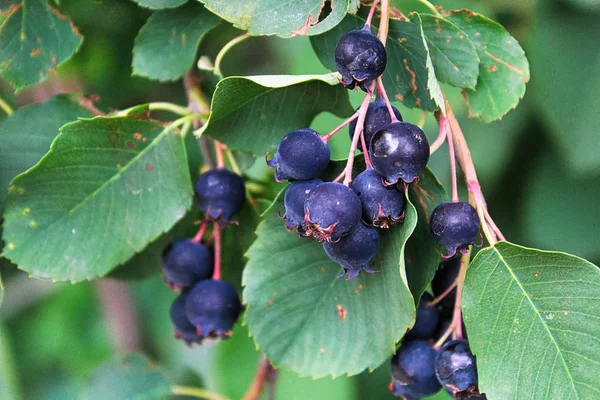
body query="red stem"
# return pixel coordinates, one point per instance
(364, 149)
(443, 295)
(443, 121)
(383, 93)
(371, 12)
(340, 176)
(336, 130)
(198, 237)
(219, 151)
(217, 237)
(362, 113)
(452, 162)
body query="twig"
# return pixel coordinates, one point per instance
(460, 281)
(443, 295)
(326, 138)
(217, 237)
(441, 138)
(219, 151)
(5, 106)
(197, 393)
(452, 163)
(383, 93)
(265, 374)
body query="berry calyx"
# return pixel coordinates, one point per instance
(293, 201)
(360, 58)
(413, 371)
(376, 118)
(455, 226)
(426, 322)
(382, 206)
(355, 252)
(213, 307)
(301, 155)
(331, 210)
(184, 329)
(399, 151)
(456, 369)
(185, 262)
(220, 194)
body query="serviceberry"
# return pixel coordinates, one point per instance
(399, 151)
(355, 251)
(456, 368)
(185, 262)
(382, 206)
(294, 199)
(220, 193)
(413, 371)
(301, 155)
(426, 321)
(331, 210)
(360, 57)
(213, 307)
(454, 225)
(444, 277)
(377, 117)
(184, 329)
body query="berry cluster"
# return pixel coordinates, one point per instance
(344, 217)
(419, 368)
(207, 306)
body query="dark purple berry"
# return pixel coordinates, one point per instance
(382, 206)
(456, 368)
(294, 199)
(220, 193)
(413, 371)
(377, 117)
(213, 307)
(360, 58)
(331, 210)
(426, 321)
(184, 329)
(355, 251)
(301, 155)
(185, 262)
(443, 279)
(455, 226)
(399, 151)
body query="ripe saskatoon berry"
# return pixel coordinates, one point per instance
(454, 225)
(426, 322)
(355, 251)
(213, 307)
(294, 199)
(184, 329)
(220, 193)
(382, 206)
(360, 57)
(399, 151)
(377, 117)
(301, 155)
(331, 210)
(413, 371)
(456, 368)
(443, 279)
(185, 262)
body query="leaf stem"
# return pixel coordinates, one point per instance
(225, 49)
(161, 106)
(197, 393)
(234, 165)
(381, 91)
(217, 238)
(5, 106)
(371, 12)
(339, 127)
(362, 113)
(265, 375)
(430, 6)
(198, 237)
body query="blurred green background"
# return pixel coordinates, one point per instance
(539, 168)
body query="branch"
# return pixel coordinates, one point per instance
(265, 375)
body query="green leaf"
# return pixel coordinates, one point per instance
(406, 77)
(27, 134)
(252, 114)
(272, 17)
(34, 40)
(107, 188)
(423, 254)
(452, 53)
(130, 377)
(175, 35)
(304, 318)
(533, 319)
(160, 4)
(503, 71)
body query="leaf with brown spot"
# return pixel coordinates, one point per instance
(34, 38)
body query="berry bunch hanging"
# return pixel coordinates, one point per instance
(207, 307)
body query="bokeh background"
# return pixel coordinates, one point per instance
(539, 168)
